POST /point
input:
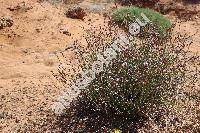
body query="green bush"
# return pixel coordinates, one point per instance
(127, 15)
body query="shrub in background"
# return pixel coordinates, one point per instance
(128, 15)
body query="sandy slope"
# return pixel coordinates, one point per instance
(27, 55)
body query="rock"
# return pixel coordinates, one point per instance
(37, 30)
(97, 8)
(140, 3)
(178, 9)
(76, 13)
(67, 33)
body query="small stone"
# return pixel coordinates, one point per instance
(16, 120)
(29, 113)
(66, 33)
(37, 30)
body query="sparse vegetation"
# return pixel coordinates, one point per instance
(76, 12)
(5, 22)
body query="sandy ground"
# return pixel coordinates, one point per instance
(27, 57)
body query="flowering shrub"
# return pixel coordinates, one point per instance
(150, 79)
(141, 77)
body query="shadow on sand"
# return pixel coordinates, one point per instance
(82, 119)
